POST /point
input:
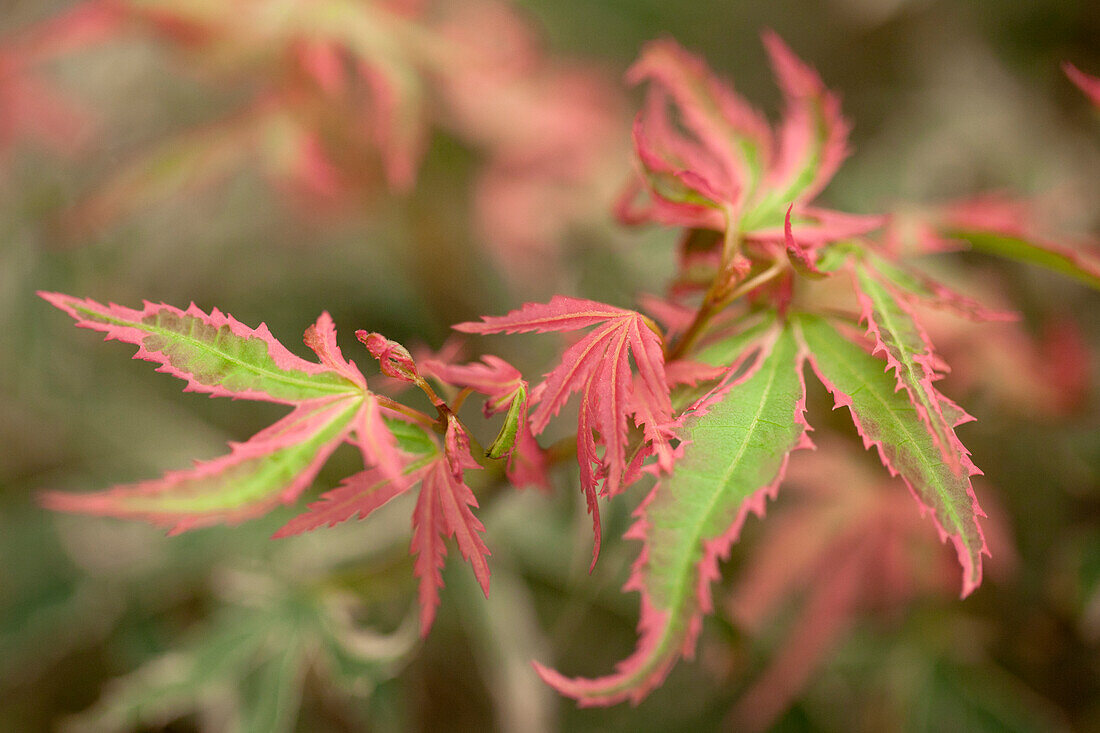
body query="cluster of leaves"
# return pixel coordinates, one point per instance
(335, 101)
(711, 402)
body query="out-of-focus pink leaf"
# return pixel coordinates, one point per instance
(844, 544)
(710, 161)
(797, 254)
(813, 139)
(1039, 378)
(917, 284)
(30, 107)
(77, 27)
(1087, 83)
(1007, 227)
(732, 142)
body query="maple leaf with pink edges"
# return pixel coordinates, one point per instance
(443, 509)
(597, 366)
(219, 356)
(709, 160)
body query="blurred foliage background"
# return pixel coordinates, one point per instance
(223, 628)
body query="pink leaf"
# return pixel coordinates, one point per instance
(612, 391)
(456, 445)
(395, 118)
(442, 510)
(813, 140)
(586, 458)
(495, 378)
(580, 364)
(527, 464)
(730, 141)
(1087, 83)
(321, 339)
(324, 62)
(691, 373)
(688, 522)
(356, 497)
(813, 226)
(428, 545)
(597, 366)
(658, 433)
(502, 384)
(377, 443)
(798, 256)
(562, 313)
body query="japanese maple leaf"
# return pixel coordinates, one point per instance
(443, 509)
(29, 105)
(219, 356)
(597, 366)
(507, 392)
(709, 160)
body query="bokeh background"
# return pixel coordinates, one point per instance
(189, 153)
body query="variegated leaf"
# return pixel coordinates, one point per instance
(213, 352)
(888, 420)
(271, 468)
(734, 460)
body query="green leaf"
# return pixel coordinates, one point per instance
(274, 693)
(908, 352)
(888, 420)
(734, 460)
(273, 466)
(213, 352)
(728, 349)
(1062, 260)
(243, 669)
(411, 438)
(735, 456)
(506, 438)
